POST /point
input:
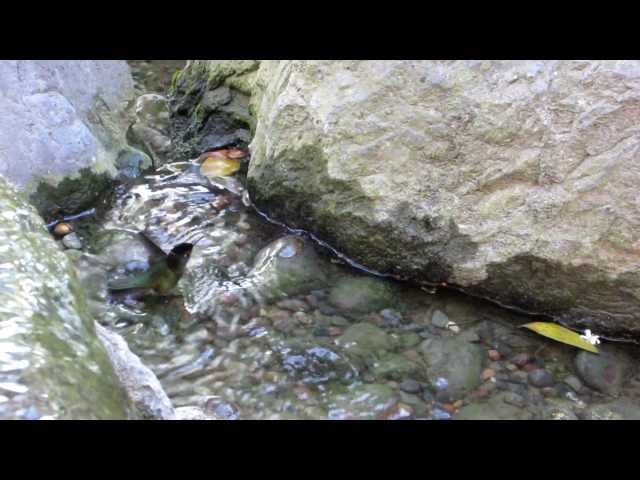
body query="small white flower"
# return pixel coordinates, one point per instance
(592, 339)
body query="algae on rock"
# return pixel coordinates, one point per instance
(51, 362)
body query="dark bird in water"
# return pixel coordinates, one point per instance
(161, 277)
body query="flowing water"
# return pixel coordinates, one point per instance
(268, 324)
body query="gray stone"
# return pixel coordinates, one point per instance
(143, 388)
(540, 378)
(361, 294)
(52, 360)
(515, 180)
(72, 241)
(394, 366)
(365, 341)
(439, 319)
(410, 386)
(61, 116)
(605, 372)
(453, 365)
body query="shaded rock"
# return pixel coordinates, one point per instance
(151, 129)
(142, 387)
(410, 386)
(453, 366)
(605, 372)
(361, 294)
(439, 319)
(287, 267)
(364, 341)
(540, 378)
(394, 366)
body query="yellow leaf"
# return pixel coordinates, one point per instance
(219, 167)
(561, 334)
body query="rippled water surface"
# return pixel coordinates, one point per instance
(269, 325)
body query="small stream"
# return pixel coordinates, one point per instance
(271, 325)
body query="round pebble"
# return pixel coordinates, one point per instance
(540, 378)
(410, 386)
(493, 355)
(72, 241)
(522, 359)
(439, 319)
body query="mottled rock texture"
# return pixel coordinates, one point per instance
(514, 180)
(61, 118)
(52, 364)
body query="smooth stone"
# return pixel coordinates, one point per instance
(453, 365)
(605, 372)
(439, 319)
(394, 366)
(364, 341)
(361, 294)
(72, 241)
(540, 378)
(410, 386)
(391, 317)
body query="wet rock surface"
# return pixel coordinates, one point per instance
(48, 345)
(267, 324)
(539, 211)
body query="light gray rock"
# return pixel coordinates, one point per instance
(61, 116)
(72, 241)
(151, 128)
(439, 319)
(142, 386)
(515, 180)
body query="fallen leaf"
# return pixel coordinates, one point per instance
(561, 334)
(234, 153)
(219, 167)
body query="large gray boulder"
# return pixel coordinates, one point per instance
(514, 180)
(60, 118)
(52, 365)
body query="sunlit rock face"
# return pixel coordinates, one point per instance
(60, 117)
(51, 362)
(515, 180)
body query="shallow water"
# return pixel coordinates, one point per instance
(273, 326)
(270, 325)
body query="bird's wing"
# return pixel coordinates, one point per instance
(152, 245)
